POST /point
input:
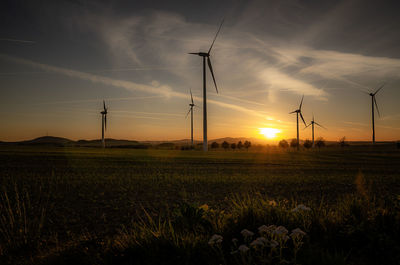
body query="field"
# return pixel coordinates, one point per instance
(94, 206)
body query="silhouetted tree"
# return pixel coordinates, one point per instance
(233, 146)
(283, 144)
(342, 142)
(398, 145)
(247, 145)
(240, 145)
(293, 143)
(225, 145)
(320, 142)
(307, 144)
(214, 145)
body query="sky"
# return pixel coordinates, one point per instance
(60, 59)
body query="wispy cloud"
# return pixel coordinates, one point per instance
(16, 40)
(157, 89)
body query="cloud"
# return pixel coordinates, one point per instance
(130, 86)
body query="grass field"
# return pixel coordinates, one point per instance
(121, 206)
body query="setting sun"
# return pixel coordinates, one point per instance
(269, 133)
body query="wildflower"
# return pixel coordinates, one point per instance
(215, 239)
(235, 241)
(262, 229)
(243, 248)
(280, 230)
(301, 207)
(260, 241)
(204, 207)
(246, 233)
(273, 244)
(297, 232)
(272, 203)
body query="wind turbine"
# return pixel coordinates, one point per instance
(312, 124)
(298, 111)
(373, 101)
(191, 105)
(207, 55)
(103, 124)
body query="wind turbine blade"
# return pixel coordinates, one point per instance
(188, 112)
(301, 115)
(307, 126)
(301, 103)
(379, 88)
(376, 106)
(212, 73)
(292, 112)
(320, 125)
(195, 53)
(212, 44)
(191, 96)
(104, 105)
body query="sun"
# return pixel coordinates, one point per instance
(269, 133)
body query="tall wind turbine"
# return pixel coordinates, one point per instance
(103, 124)
(191, 105)
(207, 55)
(373, 101)
(312, 124)
(298, 111)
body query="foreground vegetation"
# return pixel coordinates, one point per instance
(90, 206)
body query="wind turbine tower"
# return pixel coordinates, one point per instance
(103, 124)
(207, 55)
(312, 126)
(373, 102)
(298, 111)
(191, 105)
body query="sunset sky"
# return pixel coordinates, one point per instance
(60, 59)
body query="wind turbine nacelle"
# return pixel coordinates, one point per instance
(204, 54)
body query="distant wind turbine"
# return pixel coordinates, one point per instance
(207, 55)
(191, 105)
(298, 111)
(103, 124)
(373, 101)
(312, 124)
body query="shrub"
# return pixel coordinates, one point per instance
(283, 144)
(307, 144)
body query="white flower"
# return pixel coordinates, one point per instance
(280, 230)
(243, 248)
(301, 207)
(297, 232)
(246, 233)
(215, 239)
(263, 228)
(273, 244)
(260, 241)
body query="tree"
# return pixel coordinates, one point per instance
(214, 145)
(233, 146)
(307, 144)
(320, 142)
(342, 142)
(240, 145)
(293, 143)
(247, 145)
(283, 144)
(225, 145)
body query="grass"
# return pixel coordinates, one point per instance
(93, 206)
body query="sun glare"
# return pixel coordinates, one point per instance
(269, 133)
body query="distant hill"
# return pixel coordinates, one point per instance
(48, 140)
(64, 142)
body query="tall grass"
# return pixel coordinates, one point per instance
(23, 212)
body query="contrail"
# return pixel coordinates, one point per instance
(15, 40)
(128, 85)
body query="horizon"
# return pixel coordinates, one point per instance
(54, 76)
